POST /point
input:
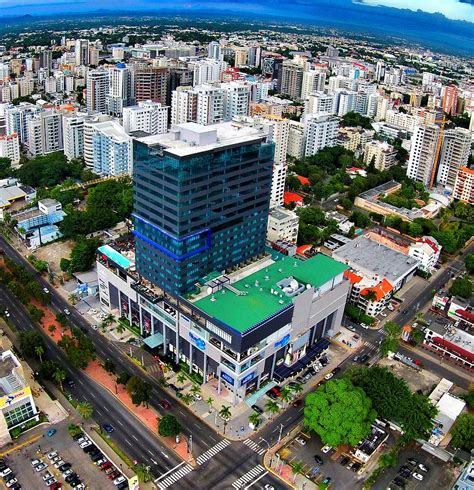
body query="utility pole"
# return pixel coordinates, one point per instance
(190, 445)
(279, 435)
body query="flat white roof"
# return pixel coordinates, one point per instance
(228, 133)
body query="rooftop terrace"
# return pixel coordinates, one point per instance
(250, 300)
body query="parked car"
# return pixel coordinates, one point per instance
(364, 358)
(412, 461)
(35, 462)
(297, 403)
(356, 359)
(418, 476)
(274, 393)
(300, 441)
(51, 432)
(363, 325)
(423, 467)
(67, 473)
(351, 328)
(118, 480)
(59, 463)
(41, 467)
(344, 461)
(66, 311)
(52, 455)
(89, 448)
(70, 477)
(356, 467)
(326, 449)
(84, 444)
(318, 459)
(47, 475)
(328, 376)
(11, 482)
(5, 471)
(336, 370)
(50, 481)
(257, 409)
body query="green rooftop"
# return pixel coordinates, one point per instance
(243, 312)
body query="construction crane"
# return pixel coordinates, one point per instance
(434, 169)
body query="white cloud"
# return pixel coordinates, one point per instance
(452, 9)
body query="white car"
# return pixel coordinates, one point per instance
(418, 476)
(7, 313)
(197, 397)
(11, 482)
(328, 376)
(46, 290)
(119, 480)
(41, 467)
(59, 463)
(300, 441)
(52, 455)
(363, 325)
(423, 467)
(47, 475)
(5, 472)
(66, 311)
(326, 449)
(67, 472)
(82, 439)
(35, 462)
(84, 444)
(95, 327)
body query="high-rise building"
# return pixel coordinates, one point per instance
(4, 71)
(207, 71)
(464, 185)
(421, 163)
(149, 117)
(97, 89)
(93, 56)
(380, 153)
(16, 119)
(82, 52)
(73, 134)
(320, 103)
(313, 81)
(346, 101)
(112, 149)
(183, 105)
(45, 133)
(151, 84)
(450, 99)
(90, 125)
(296, 139)
(186, 230)
(455, 152)
(254, 55)
(320, 132)
(241, 56)
(236, 99)
(120, 92)
(10, 148)
(46, 59)
(379, 71)
(178, 77)
(214, 51)
(291, 79)
(210, 104)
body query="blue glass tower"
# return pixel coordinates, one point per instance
(201, 197)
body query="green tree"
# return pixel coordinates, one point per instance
(225, 412)
(29, 341)
(123, 378)
(168, 426)
(297, 468)
(209, 402)
(360, 219)
(461, 287)
(35, 313)
(139, 390)
(143, 472)
(393, 400)
(286, 394)
(59, 376)
(293, 183)
(85, 410)
(73, 299)
(388, 345)
(65, 264)
(392, 329)
(297, 388)
(339, 412)
(39, 351)
(370, 295)
(469, 263)
(254, 419)
(83, 254)
(109, 366)
(181, 378)
(272, 407)
(74, 430)
(463, 432)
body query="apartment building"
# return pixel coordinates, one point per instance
(320, 132)
(148, 116)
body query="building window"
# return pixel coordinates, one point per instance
(19, 414)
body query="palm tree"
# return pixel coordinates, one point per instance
(85, 410)
(296, 468)
(187, 398)
(195, 390)
(59, 376)
(39, 351)
(109, 319)
(272, 407)
(297, 388)
(225, 414)
(210, 401)
(120, 327)
(73, 299)
(254, 419)
(286, 394)
(370, 295)
(181, 378)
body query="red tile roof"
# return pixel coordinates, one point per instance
(381, 290)
(303, 180)
(352, 276)
(290, 197)
(453, 347)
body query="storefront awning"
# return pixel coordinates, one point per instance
(283, 372)
(154, 340)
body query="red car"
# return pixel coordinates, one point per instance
(165, 404)
(114, 475)
(55, 486)
(105, 466)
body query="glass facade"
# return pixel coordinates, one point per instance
(18, 414)
(199, 213)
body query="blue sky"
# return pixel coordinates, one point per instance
(451, 9)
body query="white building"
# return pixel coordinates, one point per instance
(148, 116)
(214, 51)
(207, 71)
(81, 51)
(455, 152)
(313, 81)
(423, 153)
(120, 92)
(210, 104)
(16, 119)
(236, 99)
(346, 101)
(320, 103)
(320, 132)
(112, 149)
(296, 139)
(97, 89)
(427, 251)
(45, 133)
(73, 134)
(10, 148)
(90, 124)
(283, 225)
(464, 185)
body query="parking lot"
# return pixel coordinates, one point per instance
(438, 476)
(35, 477)
(341, 477)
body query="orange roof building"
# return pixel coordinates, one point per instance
(290, 197)
(303, 180)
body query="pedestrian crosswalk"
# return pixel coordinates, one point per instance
(370, 345)
(212, 452)
(250, 476)
(254, 446)
(181, 472)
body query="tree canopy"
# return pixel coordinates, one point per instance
(169, 426)
(79, 348)
(83, 255)
(463, 432)
(339, 412)
(461, 287)
(393, 400)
